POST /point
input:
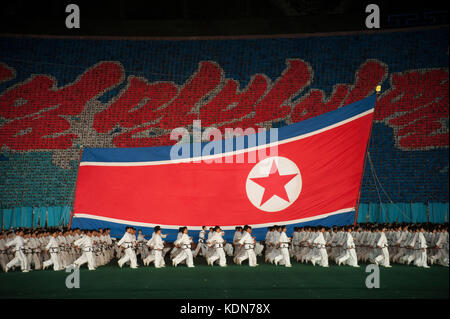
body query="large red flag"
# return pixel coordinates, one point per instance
(311, 173)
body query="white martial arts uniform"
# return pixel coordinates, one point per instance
(142, 248)
(216, 241)
(201, 247)
(128, 241)
(441, 253)
(311, 250)
(276, 251)
(294, 247)
(186, 253)
(3, 254)
(284, 256)
(62, 251)
(401, 251)
(421, 251)
(175, 250)
(322, 255)
(156, 245)
(229, 249)
(302, 245)
(108, 248)
(333, 245)
(411, 253)
(151, 256)
(33, 245)
(53, 248)
(349, 256)
(237, 236)
(248, 243)
(86, 244)
(209, 250)
(19, 257)
(383, 255)
(268, 243)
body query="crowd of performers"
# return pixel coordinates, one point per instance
(418, 245)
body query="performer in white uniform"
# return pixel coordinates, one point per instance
(53, 248)
(275, 240)
(217, 242)
(27, 250)
(349, 256)
(142, 248)
(156, 245)
(3, 254)
(322, 255)
(201, 246)
(248, 243)
(283, 244)
(383, 256)
(19, 257)
(128, 242)
(86, 244)
(421, 248)
(441, 252)
(237, 236)
(184, 243)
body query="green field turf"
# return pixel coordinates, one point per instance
(264, 281)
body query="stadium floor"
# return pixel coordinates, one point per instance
(264, 281)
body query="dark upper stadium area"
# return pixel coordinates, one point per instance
(179, 18)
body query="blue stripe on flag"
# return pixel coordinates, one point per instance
(162, 153)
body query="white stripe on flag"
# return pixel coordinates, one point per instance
(195, 227)
(210, 157)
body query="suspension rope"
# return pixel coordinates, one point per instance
(381, 187)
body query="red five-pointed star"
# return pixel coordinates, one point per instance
(274, 184)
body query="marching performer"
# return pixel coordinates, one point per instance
(201, 247)
(421, 249)
(175, 250)
(248, 243)
(3, 254)
(268, 243)
(311, 249)
(19, 259)
(383, 256)
(128, 242)
(27, 250)
(322, 255)
(151, 256)
(295, 242)
(86, 244)
(301, 244)
(156, 245)
(275, 240)
(53, 248)
(109, 245)
(349, 256)
(142, 249)
(237, 236)
(401, 247)
(184, 243)
(217, 243)
(441, 245)
(284, 249)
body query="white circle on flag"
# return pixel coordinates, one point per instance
(274, 184)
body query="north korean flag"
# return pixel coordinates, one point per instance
(309, 174)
